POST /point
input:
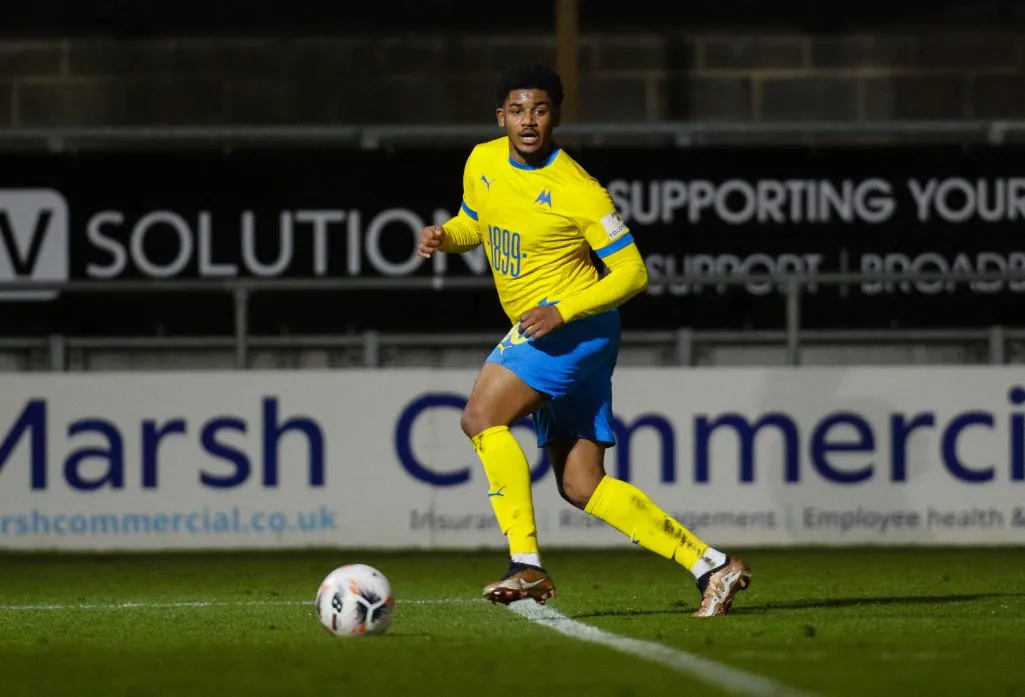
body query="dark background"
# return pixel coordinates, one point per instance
(146, 63)
(142, 18)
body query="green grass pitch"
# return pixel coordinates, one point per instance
(839, 623)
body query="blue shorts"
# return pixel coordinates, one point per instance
(573, 367)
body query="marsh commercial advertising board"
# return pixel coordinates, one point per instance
(376, 459)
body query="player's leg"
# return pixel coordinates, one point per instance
(542, 370)
(499, 399)
(580, 429)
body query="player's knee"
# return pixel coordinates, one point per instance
(473, 421)
(577, 492)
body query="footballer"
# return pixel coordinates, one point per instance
(540, 216)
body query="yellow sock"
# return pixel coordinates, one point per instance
(629, 510)
(511, 498)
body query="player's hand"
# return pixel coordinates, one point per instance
(431, 237)
(537, 322)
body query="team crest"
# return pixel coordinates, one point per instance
(613, 224)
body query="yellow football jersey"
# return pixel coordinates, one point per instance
(538, 225)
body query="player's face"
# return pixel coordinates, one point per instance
(528, 117)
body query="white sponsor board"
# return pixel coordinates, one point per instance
(34, 240)
(376, 459)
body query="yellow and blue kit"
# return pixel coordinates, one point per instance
(539, 225)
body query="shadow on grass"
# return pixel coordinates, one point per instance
(684, 608)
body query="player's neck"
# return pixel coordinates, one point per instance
(532, 159)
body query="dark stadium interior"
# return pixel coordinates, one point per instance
(149, 18)
(249, 413)
(775, 92)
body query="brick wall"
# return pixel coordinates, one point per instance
(450, 79)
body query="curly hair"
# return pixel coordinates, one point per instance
(530, 76)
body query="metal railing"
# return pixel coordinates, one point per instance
(676, 133)
(683, 339)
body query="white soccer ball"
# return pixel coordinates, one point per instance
(355, 600)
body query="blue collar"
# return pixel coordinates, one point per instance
(551, 158)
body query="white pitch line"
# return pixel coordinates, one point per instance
(204, 603)
(716, 674)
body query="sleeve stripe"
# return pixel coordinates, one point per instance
(610, 249)
(469, 211)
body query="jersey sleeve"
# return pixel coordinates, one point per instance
(462, 231)
(601, 223)
(610, 238)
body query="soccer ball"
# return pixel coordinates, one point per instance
(355, 600)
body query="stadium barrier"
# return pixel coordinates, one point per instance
(791, 286)
(900, 237)
(375, 458)
(372, 137)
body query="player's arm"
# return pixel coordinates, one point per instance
(462, 232)
(614, 244)
(627, 277)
